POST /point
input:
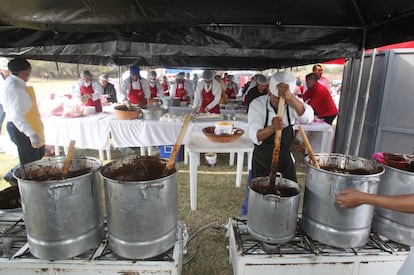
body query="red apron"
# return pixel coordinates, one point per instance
(180, 92)
(89, 91)
(230, 91)
(153, 91)
(208, 97)
(136, 96)
(165, 88)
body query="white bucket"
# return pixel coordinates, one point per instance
(211, 158)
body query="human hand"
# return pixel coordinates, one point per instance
(35, 141)
(127, 103)
(277, 123)
(350, 198)
(283, 90)
(84, 98)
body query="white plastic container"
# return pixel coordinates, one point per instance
(223, 127)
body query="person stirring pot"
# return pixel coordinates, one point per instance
(263, 123)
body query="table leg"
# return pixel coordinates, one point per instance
(231, 159)
(193, 179)
(240, 160)
(185, 155)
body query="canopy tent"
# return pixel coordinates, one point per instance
(403, 45)
(194, 34)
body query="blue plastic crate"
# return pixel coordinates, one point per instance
(166, 150)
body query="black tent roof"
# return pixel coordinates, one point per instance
(203, 34)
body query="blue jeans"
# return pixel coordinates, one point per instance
(243, 210)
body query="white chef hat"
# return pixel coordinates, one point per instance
(281, 77)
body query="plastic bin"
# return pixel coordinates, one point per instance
(166, 150)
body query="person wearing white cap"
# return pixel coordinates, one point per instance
(155, 85)
(108, 88)
(4, 73)
(181, 89)
(208, 94)
(263, 123)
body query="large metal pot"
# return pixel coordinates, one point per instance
(141, 213)
(272, 216)
(395, 225)
(323, 219)
(63, 217)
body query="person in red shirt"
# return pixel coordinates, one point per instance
(320, 99)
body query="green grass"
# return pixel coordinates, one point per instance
(218, 199)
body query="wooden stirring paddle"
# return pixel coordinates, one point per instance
(176, 148)
(308, 147)
(276, 149)
(68, 160)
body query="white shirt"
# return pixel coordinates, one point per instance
(2, 84)
(216, 90)
(97, 89)
(257, 115)
(126, 86)
(16, 103)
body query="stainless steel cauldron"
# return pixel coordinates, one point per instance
(272, 217)
(63, 218)
(323, 219)
(141, 214)
(395, 225)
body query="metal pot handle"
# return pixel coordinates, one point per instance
(272, 197)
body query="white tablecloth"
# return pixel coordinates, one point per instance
(320, 135)
(90, 131)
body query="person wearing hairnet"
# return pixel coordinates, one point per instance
(155, 85)
(165, 86)
(350, 198)
(231, 87)
(135, 89)
(4, 74)
(263, 123)
(89, 91)
(108, 88)
(260, 89)
(208, 94)
(182, 88)
(24, 125)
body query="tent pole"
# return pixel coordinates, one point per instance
(354, 106)
(364, 110)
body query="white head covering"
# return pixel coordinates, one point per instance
(281, 77)
(104, 77)
(3, 63)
